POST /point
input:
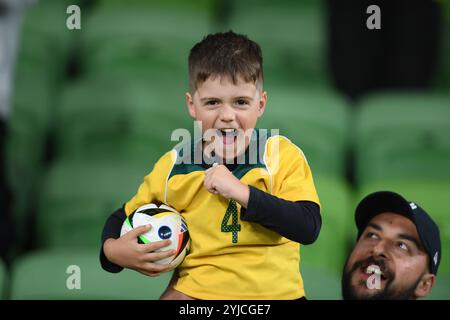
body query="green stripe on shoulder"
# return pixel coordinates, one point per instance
(254, 156)
(185, 162)
(242, 170)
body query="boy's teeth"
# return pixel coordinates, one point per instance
(228, 135)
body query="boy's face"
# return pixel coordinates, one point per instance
(228, 113)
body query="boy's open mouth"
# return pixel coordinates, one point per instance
(228, 135)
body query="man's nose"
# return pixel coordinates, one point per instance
(380, 249)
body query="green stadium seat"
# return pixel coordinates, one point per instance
(400, 136)
(441, 290)
(321, 283)
(198, 5)
(432, 196)
(78, 197)
(130, 41)
(316, 120)
(43, 43)
(25, 146)
(40, 69)
(41, 62)
(112, 120)
(322, 262)
(330, 250)
(292, 36)
(51, 275)
(29, 122)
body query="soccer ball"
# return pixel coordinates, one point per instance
(166, 223)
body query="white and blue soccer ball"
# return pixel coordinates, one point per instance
(166, 223)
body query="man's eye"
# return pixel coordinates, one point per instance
(403, 246)
(371, 235)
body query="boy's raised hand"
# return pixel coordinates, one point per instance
(219, 180)
(128, 253)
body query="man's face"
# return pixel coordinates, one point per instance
(228, 113)
(391, 244)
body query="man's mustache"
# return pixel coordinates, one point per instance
(381, 263)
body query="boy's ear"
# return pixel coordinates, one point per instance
(190, 104)
(425, 285)
(262, 103)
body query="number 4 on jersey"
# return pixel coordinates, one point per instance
(234, 227)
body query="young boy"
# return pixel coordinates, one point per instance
(246, 218)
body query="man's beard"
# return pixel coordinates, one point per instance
(387, 293)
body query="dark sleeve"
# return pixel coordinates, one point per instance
(112, 230)
(299, 221)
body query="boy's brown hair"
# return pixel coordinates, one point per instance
(225, 54)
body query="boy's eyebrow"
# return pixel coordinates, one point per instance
(244, 97)
(215, 98)
(209, 98)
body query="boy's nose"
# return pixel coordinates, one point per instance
(227, 113)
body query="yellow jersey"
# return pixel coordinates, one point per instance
(230, 258)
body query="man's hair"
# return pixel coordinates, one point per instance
(225, 54)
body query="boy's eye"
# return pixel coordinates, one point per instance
(241, 102)
(212, 102)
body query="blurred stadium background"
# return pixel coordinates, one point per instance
(93, 109)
